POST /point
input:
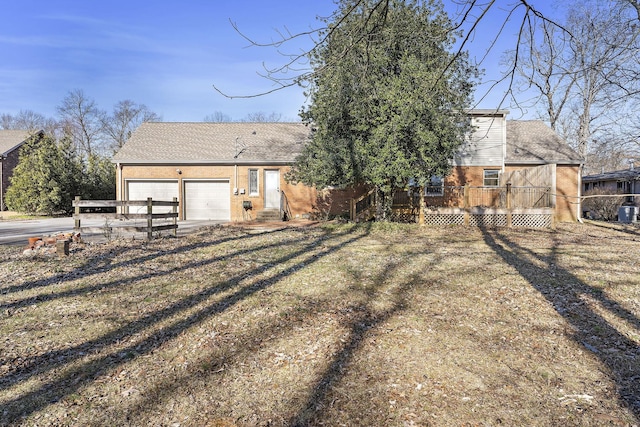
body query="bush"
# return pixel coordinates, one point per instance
(45, 179)
(603, 205)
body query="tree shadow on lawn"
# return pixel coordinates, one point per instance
(633, 230)
(43, 363)
(84, 373)
(367, 319)
(84, 290)
(95, 266)
(566, 293)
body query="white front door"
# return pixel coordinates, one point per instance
(272, 189)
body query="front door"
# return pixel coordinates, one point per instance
(272, 189)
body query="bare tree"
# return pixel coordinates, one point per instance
(262, 117)
(125, 118)
(31, 121)
(83, 121)
(24, 120)
(217, 117)
(469, 17)
(544, 70)
(585, 76)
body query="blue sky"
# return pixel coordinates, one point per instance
(164, 54)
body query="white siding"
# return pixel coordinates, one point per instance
(486, 146)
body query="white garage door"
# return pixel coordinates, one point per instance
(209, 200)
(157, 190)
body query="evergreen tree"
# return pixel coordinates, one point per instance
(46, 178)
(388, 98)
(100, 179)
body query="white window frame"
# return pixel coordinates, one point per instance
(492, 178)
(254, 191)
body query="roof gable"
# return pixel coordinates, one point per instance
(223, 143)
(533, 142)
(12, 139)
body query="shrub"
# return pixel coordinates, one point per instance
(603, 205)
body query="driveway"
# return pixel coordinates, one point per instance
(18, 232)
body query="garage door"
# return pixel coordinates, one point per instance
(157, 190)
(209, 200)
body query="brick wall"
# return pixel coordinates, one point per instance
(308, 202)
(567, 193)
(302, 200)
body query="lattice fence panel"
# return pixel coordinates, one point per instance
(531, 220)
(444, 219)
(488, 220)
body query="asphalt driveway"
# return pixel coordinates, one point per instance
(17, 232)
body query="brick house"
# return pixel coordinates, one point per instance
(236, 171)
(10, 143)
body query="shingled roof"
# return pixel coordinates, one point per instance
(533, 142)
(221, 143)
(528, 142)
(12, 139)
(619, 175)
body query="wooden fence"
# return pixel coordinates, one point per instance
(122, 213)
(507, 206)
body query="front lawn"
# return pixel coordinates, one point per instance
(371, 325)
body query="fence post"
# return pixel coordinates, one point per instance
(465, 196)
(174, 210)
(465, 203)
(149, 218)
(352, 209)
(421, 205)
(76, 223)
(509, 214)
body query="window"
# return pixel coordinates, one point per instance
(253, 182)
(434, 187)
(624, 187)
(491, 177)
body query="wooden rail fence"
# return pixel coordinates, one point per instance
(123, 206)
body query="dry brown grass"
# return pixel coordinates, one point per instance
(333, 325)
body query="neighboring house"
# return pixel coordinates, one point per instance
(625, 181)
(236, 171)
(10, 143)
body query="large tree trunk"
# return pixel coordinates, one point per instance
(379, 204)
(422, 206)
(384, 200)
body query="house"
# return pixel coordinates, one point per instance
(10, 143)
(626, 181)
(236, 171)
